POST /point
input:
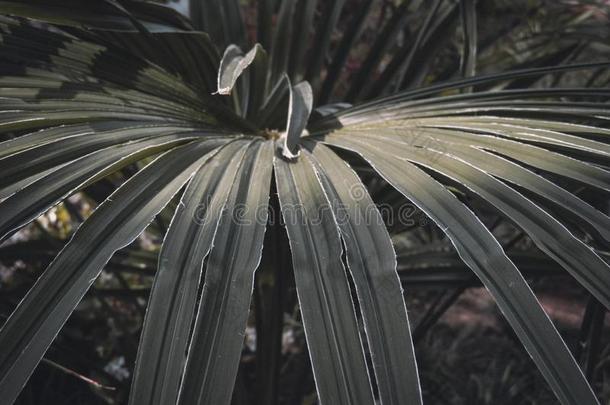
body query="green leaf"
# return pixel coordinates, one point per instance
(506, 103)
(131, 85)
(221, 19)
(339, 58)
(371, 261)
(31, 328)
(189, 54)
(232, 65)
(258, 82)
(535, 156)
(11, 189)
(215, 350)
(561, 57)
(435, 40)
(505, 169)
(377, 104)
(47, 135)
(30, 202)
(321, 42)
(322, 287)
(546, 132)
(469, 28)
(383, 42)
(484, 255)
(303, 25)
(270, 113)
(264, 26)
(400, 68)
(98, 14)
(35, 160)
(299, 110)
(280, 52)
(173, 301)
(545, 231)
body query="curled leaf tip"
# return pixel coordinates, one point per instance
(233, 64)
(225, 91)
(299, 110)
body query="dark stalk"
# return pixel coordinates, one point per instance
(269, 297)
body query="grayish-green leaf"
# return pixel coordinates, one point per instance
(221, 19)
(350, 36)
(35, 198)
(280, 52)
(322, 287)
(215, 350)
(544, 230)
(371, 260)
(299, 110)
(232, 65)
(505, 169)
(321, 43)
(484, 255)
(469, 29)
(173, 301)
(97, 15)
(31, 328)
(35, 160)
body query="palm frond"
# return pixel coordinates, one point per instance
(203, 127)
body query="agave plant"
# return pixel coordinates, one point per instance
(224, 124)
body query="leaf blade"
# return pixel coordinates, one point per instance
(34, 324)
(215, 350)
(31, 201)
(322, 287)
(371, 260)
(481, 252)
(172, 303)
(299, 110)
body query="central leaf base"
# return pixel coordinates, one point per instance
(272, 134)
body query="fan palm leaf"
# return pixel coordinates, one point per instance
(88, 89)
